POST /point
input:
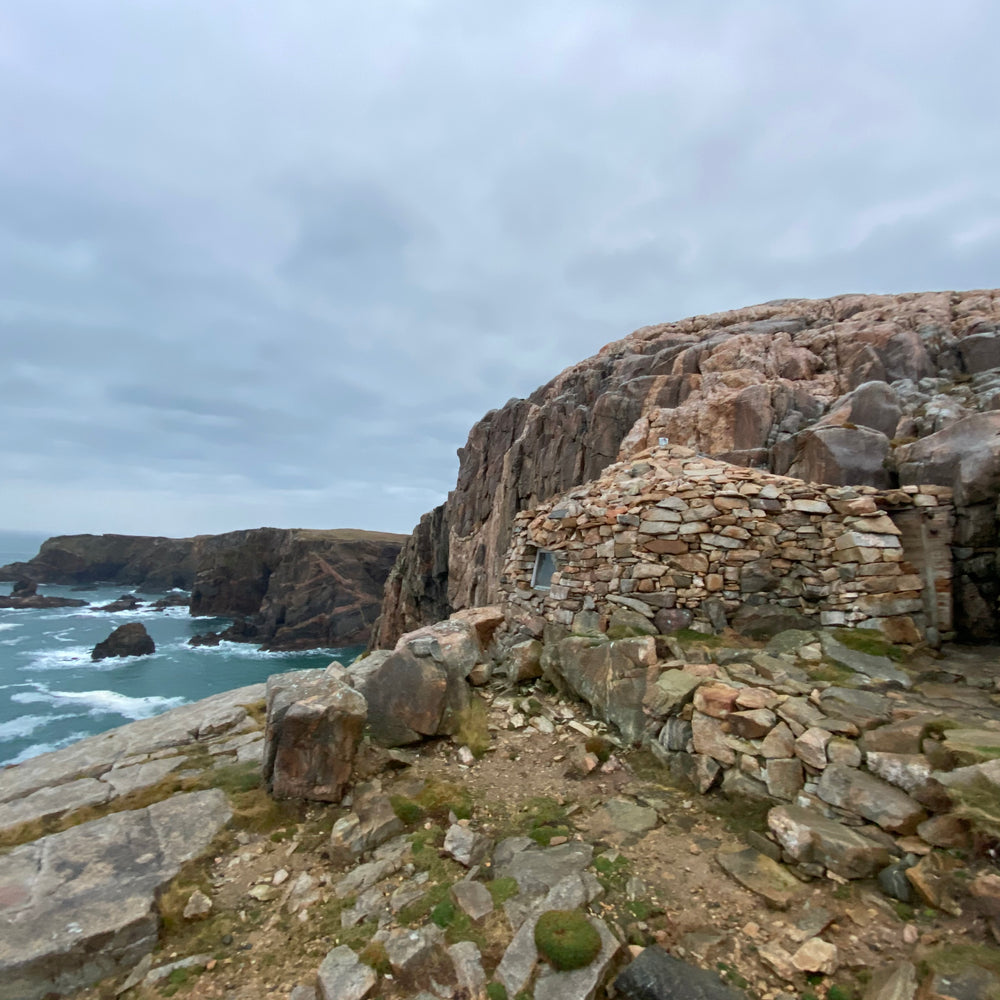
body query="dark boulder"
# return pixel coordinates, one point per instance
(126, 640)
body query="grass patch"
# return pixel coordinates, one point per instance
(471, 727)
(439, 798)
(863, 640)
(407, 811)
(502, 889)
(257, 710)
(832, 672)
(374, 955)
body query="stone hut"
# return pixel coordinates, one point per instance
(690, 541)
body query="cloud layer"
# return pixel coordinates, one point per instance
(266, 263)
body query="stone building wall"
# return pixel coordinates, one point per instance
(688, 540)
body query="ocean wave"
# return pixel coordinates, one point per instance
(248, 651)
(39, 748)
(17, 729)
(75, 657)
(99, 702)
(7, 625)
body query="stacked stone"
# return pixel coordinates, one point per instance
(673, 530)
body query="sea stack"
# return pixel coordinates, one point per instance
(126, 640)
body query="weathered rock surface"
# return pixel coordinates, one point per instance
(76, 907)
(120, 757)
(130, 639)
(815, 383)
(314, 724)
(419, 689)
(809, 837)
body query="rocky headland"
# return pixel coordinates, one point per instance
(877, 390)
(288, 588)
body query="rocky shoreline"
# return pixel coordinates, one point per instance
(289, 589)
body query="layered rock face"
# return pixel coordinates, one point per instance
(875, 390)
(301, 589)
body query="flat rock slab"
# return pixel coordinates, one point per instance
(78, 906)
(48, 802)
(655, 975)
(763, 876)
(93, 756)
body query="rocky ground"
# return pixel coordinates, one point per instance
(287, 883)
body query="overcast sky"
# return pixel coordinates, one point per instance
(266, 263)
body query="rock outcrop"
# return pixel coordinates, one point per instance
(130, 639)
(298, 589)
(290, 588)
(314, 725)
(875, 390)
(24, 595)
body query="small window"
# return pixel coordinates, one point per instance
(545, 566)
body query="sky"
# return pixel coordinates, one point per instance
(266, 264)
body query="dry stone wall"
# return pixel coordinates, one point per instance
(685, 540)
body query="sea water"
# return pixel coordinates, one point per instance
(52, 693)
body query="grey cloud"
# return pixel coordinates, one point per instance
(266, 264)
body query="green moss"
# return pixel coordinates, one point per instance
(496, 991)
(599, 747)
(864, 640)
(444, 913)
(408, 811)
(838, 992)
(566, 939)
(438, 798)
(502, 889)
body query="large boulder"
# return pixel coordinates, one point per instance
(314, 724)
(131, 639)
(842, 456)
(420, 688)
(964, 456)
(609, 675)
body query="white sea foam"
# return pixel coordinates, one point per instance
(17, 729)
(99, 702)
(8, 625)
(39, 748)
(248, 651)
(75, 657)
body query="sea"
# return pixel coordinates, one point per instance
(52, 693)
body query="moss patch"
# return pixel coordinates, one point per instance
(566, 939)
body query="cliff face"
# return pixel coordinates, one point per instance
(857, 389)
(296, 589)
(300, 589)
(152, 564)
